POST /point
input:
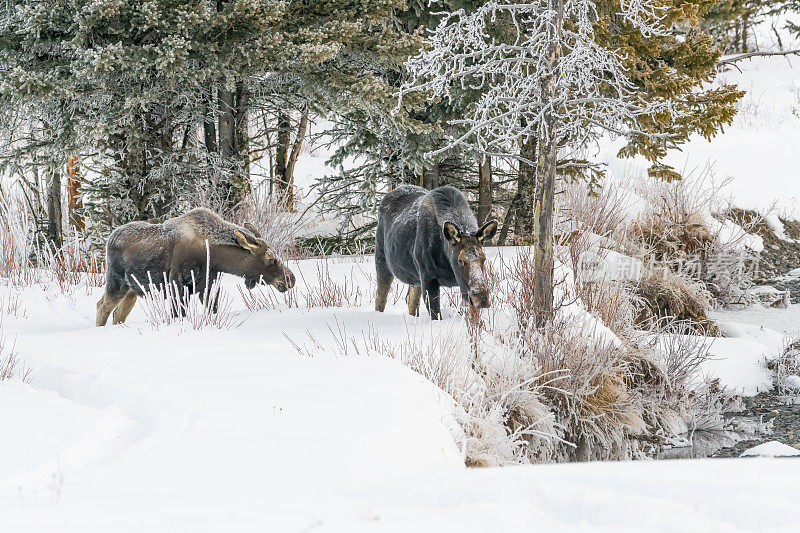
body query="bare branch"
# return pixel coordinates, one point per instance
(748, 55)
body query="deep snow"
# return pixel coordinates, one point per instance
(128, 428)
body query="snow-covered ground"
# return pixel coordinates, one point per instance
(131, 428)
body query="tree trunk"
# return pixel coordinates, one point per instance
(745, 31)
(513, 207)
(282, 152)
(227, 123)
(210, 136)
(297, 145)
(526, 182)
(233, 142)
(484, 189)
(544, 197)
(54, 225)
(242, 143)
(210, 126)
(73, 193)
(430, 176)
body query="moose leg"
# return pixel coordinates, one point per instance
(430, 290)
(124, 308)
(108, 303)
(414, 294)
(385, 278)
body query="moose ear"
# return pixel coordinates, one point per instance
(487, 231)
(252, 229)
(451, 232)
(241, 239)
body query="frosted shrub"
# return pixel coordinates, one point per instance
(278, 225)
(327, 292)
(166, 302)
(496, 403)
(621, 392)
(664, 293)
(593, 403)
(17, 244)
(786, 368)
(589, 386)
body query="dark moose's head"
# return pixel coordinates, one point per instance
(262, 265)
(467, 260)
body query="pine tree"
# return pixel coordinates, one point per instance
(159, 97)
(398, 145)
(672, 66)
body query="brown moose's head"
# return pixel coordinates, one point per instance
(468, 261)
(262, 265)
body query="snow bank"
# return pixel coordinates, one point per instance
(772, 448)
(128, 429)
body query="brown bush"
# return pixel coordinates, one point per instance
(664, 293)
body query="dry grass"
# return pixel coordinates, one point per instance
(12, 305)
(623, 392)
(324, 290)
(328, 292)
(10, 365)
(277, 224)
(693, 258)
(26, 259)
(599, 212)
(664, 293)
(679, 231)
(166, 303)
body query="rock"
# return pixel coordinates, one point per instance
(768, 296)
(772, 448)
(794, 273)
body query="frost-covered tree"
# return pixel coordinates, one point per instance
(123, 84)
(551, 85)
(162, 99)
(384, 149)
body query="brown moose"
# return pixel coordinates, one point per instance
(140, 253)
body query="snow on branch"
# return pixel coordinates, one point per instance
(733, 60)
(497, 55)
